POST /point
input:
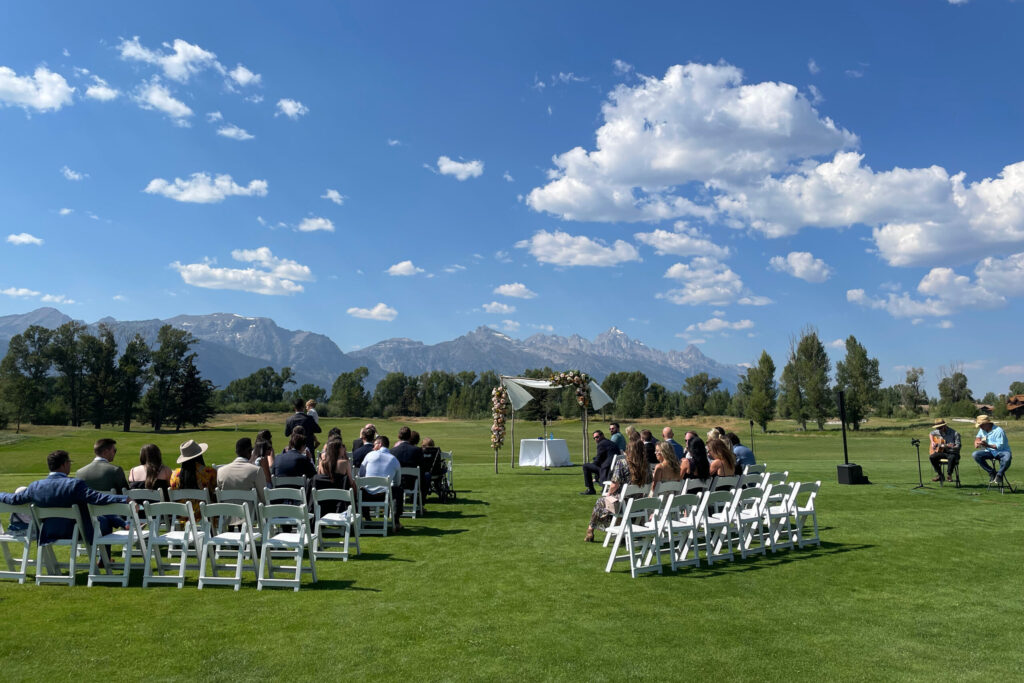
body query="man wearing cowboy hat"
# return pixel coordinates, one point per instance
(992, 444)
(945, 443)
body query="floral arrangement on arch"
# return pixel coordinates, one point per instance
(499, 408)
(574, 378)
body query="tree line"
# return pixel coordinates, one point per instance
(69, 376)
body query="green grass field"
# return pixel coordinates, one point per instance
(499, 585)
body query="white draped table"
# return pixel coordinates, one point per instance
(544, 453)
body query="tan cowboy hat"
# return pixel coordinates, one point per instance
(982, 419)
(939, 424)
(190, 449)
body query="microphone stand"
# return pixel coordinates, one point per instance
(920, 476)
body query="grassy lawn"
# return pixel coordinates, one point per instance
(498, 585)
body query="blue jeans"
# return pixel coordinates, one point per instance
(1003, 457)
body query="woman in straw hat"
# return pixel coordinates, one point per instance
(194, 472)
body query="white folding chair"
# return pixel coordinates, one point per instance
(247, 497)
(346, 523)
(748, 521)
(285, 496)
(801, 513)
(628, 492)
(278, 541)
(17, 564)
(769, 478)
(162, 520)
(696, 485)
(291, 482)
(449, 459)
(145, 495)
(374, 508)
(748, 480)
(664, 489)
(129, 540)
(680, 524)
(606, 485)
(45, 558)
(638, 535)
(718, 526)
(759, 468)
(776, 514)
(727, 483)
(217, 519)
(413, 498)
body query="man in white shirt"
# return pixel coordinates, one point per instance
(381, 463)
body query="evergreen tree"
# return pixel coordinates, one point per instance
(192, 397)
(388, 395)
(629, 403)
(132, 374)
(66, 353)
(697, 390)
(657, 401)
(348, 397)
(763, 393)
(262, 389)
(25, 370)
(169, 363)
(99, 381)
(805, 390)
(857, 376)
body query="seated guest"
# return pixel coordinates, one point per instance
(409, 455)
(102, 474)
(667, 468)
(723, 463)
(307, 450)
(616, 437)
(333, 472)
(632, 435)
(944, 443)
(600, 465)
(151, 472)
(696, 464)
(365, 441)
(381, 463)
(263, 454)
(58, 490)
(194, 473)
(669, 436)
(633, 469)
(992, 446)
(715, 433)
(744, 456)
(242, 475)
(650, 446)
(293, 462)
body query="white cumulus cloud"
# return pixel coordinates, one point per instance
(718, 324)
(153, 95)
(684, 241)
(267, 273)
(499, 308)
(803, 265)
(334, 196)
(315, 223)
(200, 188)
(943, 292)
(182, 62)
(379, 312)
(404, 268)
(234, 132)
(24, 238)
(705, 280)
(25, 293)
(72, 175)
(244, 77)
(462, 170)
(293, 109)
(101, 90)
(43, 91)
(516, 290)
(563, 249)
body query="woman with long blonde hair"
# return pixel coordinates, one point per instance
(633, 470)
(667, 468)
(723, 463)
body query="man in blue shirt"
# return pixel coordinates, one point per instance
(744, 456)
(669, 436)
(992, 445)
(59, 490)
(616, 437)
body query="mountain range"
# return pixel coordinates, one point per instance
(232, 346)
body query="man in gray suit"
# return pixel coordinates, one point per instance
(102, 474)
(240, 474)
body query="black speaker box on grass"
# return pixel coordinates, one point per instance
(851, 474)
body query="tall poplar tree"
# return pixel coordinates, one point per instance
(858, 377)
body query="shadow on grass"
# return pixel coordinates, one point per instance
(375, 557)
(461, 501)
(554, 472)
(336, 585)
(431, 531)
(759, 562)
(450, 514)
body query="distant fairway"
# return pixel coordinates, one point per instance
(499, 585)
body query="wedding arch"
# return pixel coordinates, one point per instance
(512, 393)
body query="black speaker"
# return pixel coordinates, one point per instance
(850, 474)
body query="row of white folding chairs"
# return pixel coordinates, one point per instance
(680, 524)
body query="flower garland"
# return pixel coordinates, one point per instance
(577, 379)
(499, 407)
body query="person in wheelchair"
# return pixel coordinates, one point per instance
(945, 443)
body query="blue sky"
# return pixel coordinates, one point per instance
(721, 173)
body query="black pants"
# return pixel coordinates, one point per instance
(590, 470)
(954, 458)
(397, 502)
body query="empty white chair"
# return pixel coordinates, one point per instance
(718, 526)
(413, 497)
(627, 492)
(345, 523)
(292, 482)
(128, 539)
(801, 513)
(606, 485)
(774, 478)
(638, 536)
(759, 468)
(748, 480)
(162, 520)
(218, 537)
(748, 520)
(278, 541)
(679, 526)
(374, 508)
(776, 514)
(45, 558)
(17, 563)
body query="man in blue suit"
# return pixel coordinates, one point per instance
(59, 491)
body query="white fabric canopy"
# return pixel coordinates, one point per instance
(519, 396)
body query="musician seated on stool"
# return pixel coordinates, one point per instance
(992, 445)
(945, 443)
